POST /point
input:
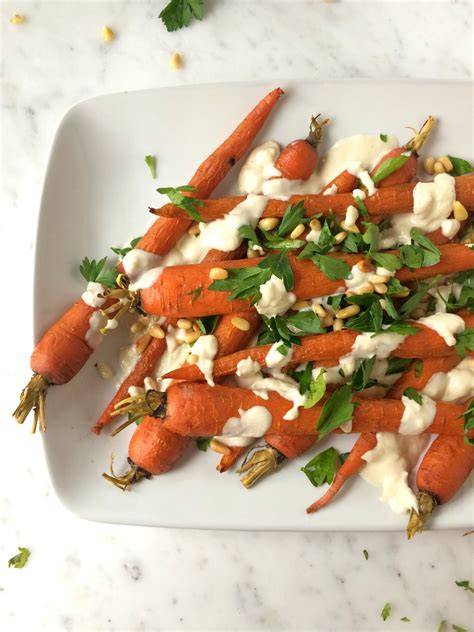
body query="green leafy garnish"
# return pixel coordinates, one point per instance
(187, 203)
(366, 554)
(458, 628)
(303, 377)
(468, 416)
(415, 299)
(337, 410)
(179, 13)
(465, 584)
(465, 342)
(421, 253)
(460, 167)
(248, 232)
(361, 379)
(395, 288)
(405, 619)
(386, 611)
(371, 237)
(397, 365)
(202, 443)
(316, 390)
(19, 560)
(95, 272)
(383, 137)
(334, 269)
(293, 216)
(274, 242)
(277, 331)
(441, 625)
(195, 294)
(305, 322)
(121, 252)
(387, 261)
(151, 164)
(361, 207)
(369, 320)
(413, 394)
(322, 468)
(390, 165)
(418, 368)
(207, 324)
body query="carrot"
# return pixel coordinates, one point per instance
(228, 460)
(427, 343)
(443, 470)
(351, 466)
(430, 366)
(172, 293)
(385, 202)
(298, 160)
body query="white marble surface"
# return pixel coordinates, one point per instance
(84, 576)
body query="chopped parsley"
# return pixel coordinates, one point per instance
(121, 252)
(460, 167)
(390, 165)
(465, 342)
(383, 137)
(323, 467)
(418, 368)
(95, 272)
(465, 584)
(361, 379)
(337, 410)
(202, 443)
(19, 560)
(293, 216)
(405, 619)
(397, 365)
(468, 416)
(180, 13)
(413, 394)
(184, 202)
(421, 253)
(361, 207)
(316, 390)
(151, 164)
(366, 554)
(207, 324)
(386, 611)
(195, 294)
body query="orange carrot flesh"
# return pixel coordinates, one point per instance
(297, 161)
(430, 366)
(291, 446)
(197, 410)
(384, 202)
(172, 293)
(354, 462)
(229, 460)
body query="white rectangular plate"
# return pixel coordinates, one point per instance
(96, 193)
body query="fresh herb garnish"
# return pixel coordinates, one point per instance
(460, 167)
(344, 456)
(458, 628)
(337, 410)
(468, 416)
(274, 242)
(395, 288)
(366, 554)
(322, 468)
(334, 269)
(151, 164)
(361, 207)
(386, 611)
(413, 394)
(121, 252)
(19, 560)
(203, 443)
(277, 331)
(207, 324)
(465, 342)
(305, 322)
(397, 365)
(179, 13)
(405, 619)
(187, 203)
(415, 299)
(390, 165)
(383, 137)
(441, 625)
(421, 253)
(248, 232)
(418, 368)
(371, 237)
(293, 216)
(387, 261)
(369, 320)
(303, 377)
(316, 390)
(195, 294)
(361, 379)
(465, 584)
(95, 272)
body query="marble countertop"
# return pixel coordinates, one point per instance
(85, 576)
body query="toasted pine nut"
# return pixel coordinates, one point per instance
(383, 303)
(218, 274)
(381, 288)
(156, 331)
(346, 312)
(107, 34)
(145, 319)
(319, 310)
(447, 164)
(428, 165)
(365, 266)
(194, 230)
(438, 167)
(217, 446)
(403, 294)
(339, 238)
(368, 288)
(350, 229)
(192, 358)
(300, 305)
(252, 254)
(17, 19)
(176, 61)
(136, 327)
(297, 231)
(240, 323)
(315, 224)
(460, 211)
(104, 370)
(378, 278)
(327, 321)
(268, 223)
(192, 336)
(142, 343)
(184, 323)
(338, 324)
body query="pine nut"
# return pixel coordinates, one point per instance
(142, 343)
(365, 266)
(218, 274)
(296, 307)
(438, 167)
(143, 318)
(184, 323)
(176, 61)
(378, 278)
(192, 336)
(268, 223)
(252, 254)
(107, 34)
(447, 164)
(192, 358)
(347, 312)
(339, 238)
(338, 324)
(196, 327)
(104, 370)
(17, 19)
(137, 327)
(297, 231)
(381, 288)
(428, 165)
(350, 229)
(194, 230)
(460, 211)
(217, 446)
(327, 321)
(315, 224)
(240, 323)
(403, 294)
(319, 310)
(368, 288)
(383, 303)
(156, 331)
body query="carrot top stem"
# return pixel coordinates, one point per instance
(123, 301)
(316, 130)
(426, 505)
(153, 404)
(259, 463)
(32, 398)
(131, 476)
(417, 142)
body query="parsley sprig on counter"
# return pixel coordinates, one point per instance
(180, 13)
(323, 467)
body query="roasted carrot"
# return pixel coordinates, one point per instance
(427, 343)
(173, 291)
(429, 367)
(384, 202)
(298, 160)
(443, 470)
(229, 460)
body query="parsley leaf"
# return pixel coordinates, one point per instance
(337, 410)
(93, 271)
(322, 468)
(469, 423)
(415, 299)
(279, 265)
(248, 232)
(151, 164)
(121, 252)
(460, 167)
(405, 619)
(421, 253)
(369, 320)
(277, 330)
(390, 165)
(195, 294)
(371, 237)
(361, 379)
(187, 203)
(316, 390)
(361, 207)
(202, 443)
(413, 394)
(334, 269)
(383, 137)
(387, 261)
(207, 324)
(386, 611)
(19, 560)
(465, 342)
(458, 628)
(397, 365)
(303, 377)
(465, 584)
(395, 288)
(294, 215)
(306, 322)
(366, 554)
(179, 13)
(441, 625)
(418, 368)
(274, 242)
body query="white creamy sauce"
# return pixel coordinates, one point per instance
(259, 167)
(275, 299)
(96, 322)
(446, 325)
(252, 424)
(206, 348)
(92, 295)
(416, 417)
(358, 193)
(147, 279)
(175, 355)
(352, 215)
(313, 236)
(138, 265)
(388, 465)
(128, 357)
(441, 294)
(357, 169)
(332, 190)
(357, 279)
(455, 386)
(450, 227)
(276, 360)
